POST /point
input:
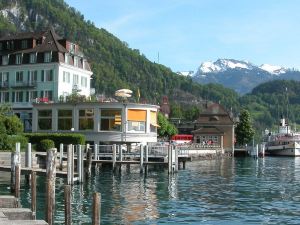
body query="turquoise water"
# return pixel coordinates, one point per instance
(224, 191)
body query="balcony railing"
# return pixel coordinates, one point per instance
(4, 84)
(24, 84)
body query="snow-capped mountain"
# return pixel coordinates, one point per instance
(242, 76)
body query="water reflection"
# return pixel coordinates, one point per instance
(227, 191)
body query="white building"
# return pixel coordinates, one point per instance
(106, 122)
(40, 67)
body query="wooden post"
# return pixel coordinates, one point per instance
(72, 163)
(120, 154)
(33, 194)
(18, 183)
(50, 188)
(146, 153)
(69, 164)
(170, 158)
(28, 161)
(183, 164)
(96, 209)
(114, 156)
(68, 212)
(15, 159)
(80, 163)
(61, 154)
(96, 152)
(141, 158)
(89, 162)
(176, 159)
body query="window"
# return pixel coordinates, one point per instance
(76, 63)
(32, 77)
(32, 58)
(5, 60)
(64, 119)
(153, 121)
(67, 58)
(72, 48)
(83, 81)
(4, 79)
(1, 46)
(110, 119)
(47, 75)
(86, 119)
(47, 57)
(24, 44)
(136, 120)
(31, 96)
(48, 94)
(75, 79)
(45, 119)
(66, 77)
(19, 76)
(18, 59)
(17, 96)
(4, 96)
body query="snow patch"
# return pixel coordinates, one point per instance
(276, 70)
(208, 67)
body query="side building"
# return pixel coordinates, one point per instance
(101, 123)
(40, 67)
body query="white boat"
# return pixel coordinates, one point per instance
(285, 142)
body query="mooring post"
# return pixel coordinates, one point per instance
(28, 161)
(183, 164)
(176, 159)
(68, 200)
(69, 164)
(33, 194)
(146, 153)
(96, 152)
(170, 158)
(89, 162)
(73, 164)
(80, 163)
(114, 156)
(15, 160)
(61, 154)
(50, 182)
(96, 220)
(120, 153)
(18, 183)
(141, 158)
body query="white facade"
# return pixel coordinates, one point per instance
(109, 122)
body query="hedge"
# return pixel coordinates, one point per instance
(57, 138)
(45, 145)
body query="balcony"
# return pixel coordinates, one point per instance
(27, 84)
(4, 85)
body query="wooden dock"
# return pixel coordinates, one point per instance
(10, 214)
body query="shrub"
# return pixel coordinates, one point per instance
(45, 145)
(8, 142)
(57, 138)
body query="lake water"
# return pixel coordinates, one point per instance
(224, 191)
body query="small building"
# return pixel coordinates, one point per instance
(215, 127)
(100, 122)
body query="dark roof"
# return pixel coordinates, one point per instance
(208, 130)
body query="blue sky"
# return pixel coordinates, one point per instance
(187, 32)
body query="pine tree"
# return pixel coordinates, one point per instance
(244, 131)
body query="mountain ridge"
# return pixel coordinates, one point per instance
(241, 76)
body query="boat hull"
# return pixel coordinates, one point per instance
(283, 151)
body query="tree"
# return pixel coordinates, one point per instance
(244, 131)
(165, 127)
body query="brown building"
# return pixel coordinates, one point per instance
(215, 127)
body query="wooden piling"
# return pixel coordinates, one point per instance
(61, 154)
(33, 194)
(15, 159)
(176, 159)
(141, 158)
(170, 158)
(80, 163)
(50, 185)
(28, 161)
(96, 209)
(120, 153)
(17, 184)
(146, 153)
(96, 151)
(68, 212)
(114, 156)
(88, 162)
(69, 165)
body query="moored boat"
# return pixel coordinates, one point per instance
(285, 142)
